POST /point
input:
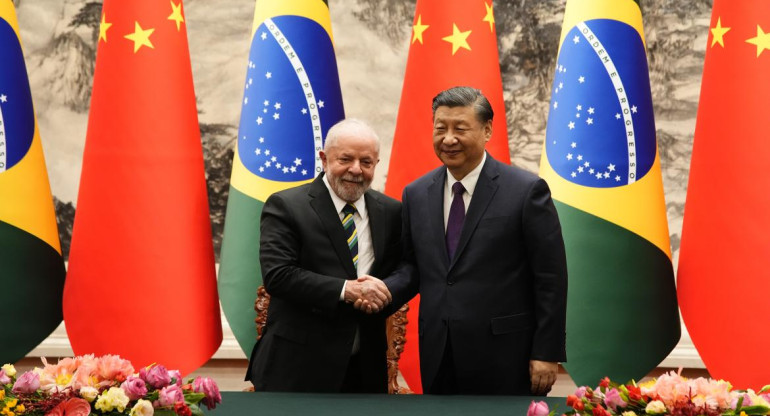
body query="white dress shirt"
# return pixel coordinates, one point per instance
(361, 220)
(469, 182)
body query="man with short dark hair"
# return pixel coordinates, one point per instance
(316, 240)
(484, 249)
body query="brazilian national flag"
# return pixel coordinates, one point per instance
(291, 98)
(601, 161)
(31, 264)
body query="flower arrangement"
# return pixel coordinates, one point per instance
(107, 385)
(670, 394)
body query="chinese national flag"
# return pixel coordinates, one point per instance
(141, 280)
(454, 43)
(723, 278)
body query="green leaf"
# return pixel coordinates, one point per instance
(196, 411)
(193, 398)
(164, 412)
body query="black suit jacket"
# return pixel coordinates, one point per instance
(502, 300)
(304, 256)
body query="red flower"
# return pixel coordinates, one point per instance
(71, 407)
(600, 411)
(634, 393)
(571, 399)
(182, 409)
(605, 382)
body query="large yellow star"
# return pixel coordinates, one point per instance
(140, 37)
(458, 39)
(717, 33)
(103, 26)
(176, 14)
(418, 29)
(762, 40)
(490, 17)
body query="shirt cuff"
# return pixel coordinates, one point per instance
(342, 294)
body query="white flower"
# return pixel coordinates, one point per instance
(655, 407)
(9, 370)
(142, 408)
(629, 413)
(89, 393)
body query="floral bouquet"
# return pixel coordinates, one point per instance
(670, 394)
(107, 385)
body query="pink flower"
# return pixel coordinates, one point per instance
(612, 399)
(538, 409)
(169, 395)
(4, 379)
(176, 377)
(208, 387)
(113, 368)
(155, 375)
(134, 387)
(581, 392)
(27, 383)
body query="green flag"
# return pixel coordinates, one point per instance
(31, 264)
(600, 159)
(291, 98)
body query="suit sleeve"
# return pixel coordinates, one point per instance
(279, 256)
(404, 282)
(548, 263)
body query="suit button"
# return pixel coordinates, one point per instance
(451, 282)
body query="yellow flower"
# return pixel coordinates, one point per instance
(2, 394)
(112, 399)
(9, 369)
(655, 407)
(629, 413)
(743, 413)
(11, 402)
(20, 408)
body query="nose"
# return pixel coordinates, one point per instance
(355, 168)
(449, 138)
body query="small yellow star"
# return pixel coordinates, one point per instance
(140, 37)
(718, 33)
(458, 39)
(176, 14)
(490, 17)
(418, 29)
(103, 26)
(762, 40)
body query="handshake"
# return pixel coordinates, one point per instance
(367, 294)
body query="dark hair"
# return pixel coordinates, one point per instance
(465, 97)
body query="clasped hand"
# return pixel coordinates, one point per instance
(367, 294)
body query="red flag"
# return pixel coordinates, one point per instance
(141, 280)
(723, 278)
(454, 43)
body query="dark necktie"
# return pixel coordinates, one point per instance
(454, 225)
(350, 231)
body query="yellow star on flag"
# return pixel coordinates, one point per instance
(103, 26)
(458, 39)
(141, 37)
(490, 17)
(718, 33)
(418, 29)
(762, 40)
(176, 14)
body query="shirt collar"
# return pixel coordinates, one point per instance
(470, 180)
(340, 203)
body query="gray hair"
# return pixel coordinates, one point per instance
(465, 97)
(352, 127)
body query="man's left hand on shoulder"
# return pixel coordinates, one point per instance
(542, 376)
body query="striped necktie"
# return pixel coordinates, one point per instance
(350, 231)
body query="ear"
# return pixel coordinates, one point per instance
(323, 158)
(488, 131)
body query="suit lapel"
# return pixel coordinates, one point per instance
(323, 206)
(436, 213)
(482, 196)
(375, 212)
